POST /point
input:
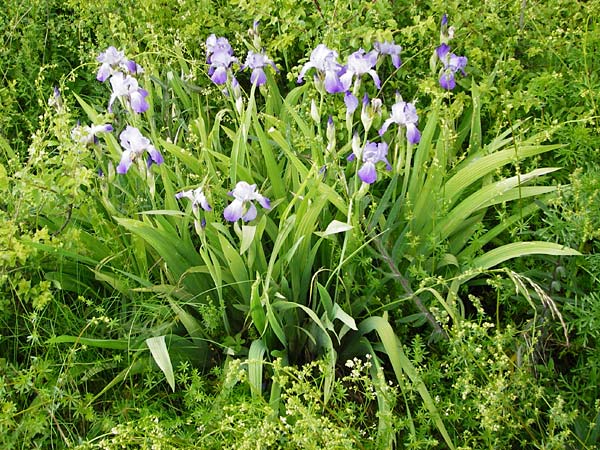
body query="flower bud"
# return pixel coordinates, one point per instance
(314, 111)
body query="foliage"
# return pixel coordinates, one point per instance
(111, 281)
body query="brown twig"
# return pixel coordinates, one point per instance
(397, 275)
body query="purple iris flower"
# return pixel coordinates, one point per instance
(112, 60)
(219, 55)
(370, 155)
(404, 114)
(390, 49)
(328, 69)
(86, 135)
(256, 62)
(127, 87)
(242, 207)
(197, 197)
(220, 65)
(452, 64)
(135, 144)
(216, 44)
(360, 63)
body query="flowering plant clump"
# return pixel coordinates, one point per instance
(299, 281)
(242, 207)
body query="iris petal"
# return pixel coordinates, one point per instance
(219, 76)
(125, 162)
(413, 135)
(258, 76)
(250, 214)
(332, 83)
(234, 211)
(264, 201)
(367, 173)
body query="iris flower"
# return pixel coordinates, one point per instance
(127, 87)
(256, 62)
(404, 114)
(242, 207)
(197, 198)
(324, 60)
(371, 154)
(451, 65)
(217, 44)
(112, 60)
(390, 49)
(220, 65)
(86, 135)
(219, 55)
(135, 144)
(360, 63)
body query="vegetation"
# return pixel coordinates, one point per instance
(266, 225)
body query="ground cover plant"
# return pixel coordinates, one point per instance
(262, 237)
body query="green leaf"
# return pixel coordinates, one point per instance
(334, 227)
(275, 323)
(468, 252)
(178, 254)
(257, 312)
(487, 195)
(344, 317)
(285, 305)
(7, 149)
(274, 172)
(325, 301)
(478, 168)
(255, 360)
(237, 267)
(519, 249)
(190, 323)
(160, 353)
(248, 233)
(91, 112)
(187, 158)
(3, 178)
(114, 344)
